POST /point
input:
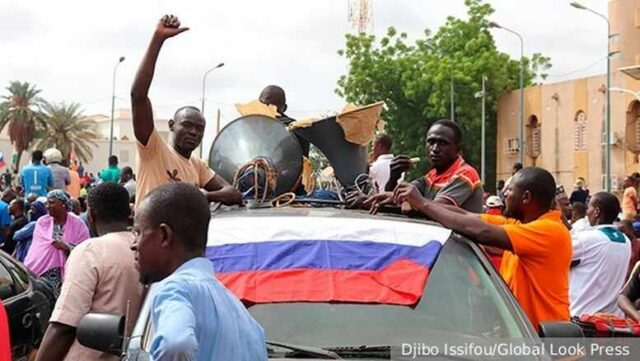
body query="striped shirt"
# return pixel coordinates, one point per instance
(460, 185)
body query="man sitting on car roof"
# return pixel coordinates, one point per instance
(451, 181)
(537, 245)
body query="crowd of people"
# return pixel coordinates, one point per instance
(562, 256)
(98, 241)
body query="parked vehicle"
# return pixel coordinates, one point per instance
(29, 303)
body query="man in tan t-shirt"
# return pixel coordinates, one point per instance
(160, 163)
(100, 277)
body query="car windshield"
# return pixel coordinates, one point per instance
(460, 299)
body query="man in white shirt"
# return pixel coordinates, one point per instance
(128, 181)
(379, 170)
(579, 221)
(600, 259)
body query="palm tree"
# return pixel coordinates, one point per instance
(65, 125)
(20, 110)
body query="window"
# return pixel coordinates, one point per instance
(124, 155)
(6, 283)
(534, 137)
(21, 276)
(511, 146)
(580, 132)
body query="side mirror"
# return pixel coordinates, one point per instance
(564, 329)
(102, 331)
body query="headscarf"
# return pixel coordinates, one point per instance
(62, 196)
(39, 210)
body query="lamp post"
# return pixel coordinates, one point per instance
(493, 24)
(628, 91)
(607, 124)
(204, 84)
(113, 103)
(483, 94)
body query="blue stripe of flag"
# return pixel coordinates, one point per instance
(318, 254)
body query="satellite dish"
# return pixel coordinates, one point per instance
(253, 136)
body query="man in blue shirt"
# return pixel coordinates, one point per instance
(193, 317)
(36, 178)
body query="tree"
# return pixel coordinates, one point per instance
(65, 126)
(414, 80)
(20, 111)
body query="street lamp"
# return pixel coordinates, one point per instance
(607, 162)
(493, 24)
(483, 94)
(628, 91)
(113, 103)
(204, 83)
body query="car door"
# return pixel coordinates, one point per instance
(19, 310)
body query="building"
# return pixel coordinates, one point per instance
(565, 122)
(124, 144)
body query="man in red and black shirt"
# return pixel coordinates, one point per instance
(451, 181)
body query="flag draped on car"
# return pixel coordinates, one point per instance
(324, 259)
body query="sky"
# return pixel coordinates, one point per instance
(69, 48)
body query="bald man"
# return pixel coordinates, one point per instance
(162, 163)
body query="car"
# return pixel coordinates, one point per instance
(28, 301)
(464, 297)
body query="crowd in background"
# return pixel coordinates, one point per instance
(44, 210)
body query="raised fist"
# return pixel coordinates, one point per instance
(169, 26)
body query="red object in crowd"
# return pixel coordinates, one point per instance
(607, 325)
(5, 341)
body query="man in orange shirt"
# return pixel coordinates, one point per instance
(629, 199)
(537, 245)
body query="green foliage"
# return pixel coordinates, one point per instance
(67, 126)
(29, 117)
(414, 81)
(20, 111)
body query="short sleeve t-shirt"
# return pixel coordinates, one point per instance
(537, 271)
(110, 174)
(380, 171)
(36, 179)
(460, 185)
(61, 177)
(602, 254)
(100, 277)
(160, 164)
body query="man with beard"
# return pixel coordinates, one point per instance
(451, 181)
(161, 163)
(193, 316)
(537, 245)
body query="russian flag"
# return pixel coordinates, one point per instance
(324, 259)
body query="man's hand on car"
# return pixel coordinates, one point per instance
(355, 199)
(375, 202)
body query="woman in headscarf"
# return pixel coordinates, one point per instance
(54, 237)
(24, 236)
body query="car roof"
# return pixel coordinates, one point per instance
(306, 211)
